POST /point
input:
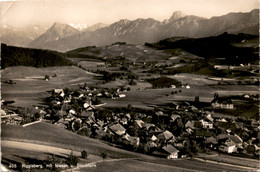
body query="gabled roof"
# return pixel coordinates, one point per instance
(230, 143)
(166, 135)
(86, 114)
(189, 124)
(236, 139)
(148, 125)
(118, 129)
(160, 113)
(139, 123)
(211, 140)
(170, 149)
(174, 117)
(222, 136)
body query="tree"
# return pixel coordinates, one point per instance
(132, 82)
(197, 99)
(51, 160)
(103, 155)
(47, 77)
(84, 154)
(72, 160)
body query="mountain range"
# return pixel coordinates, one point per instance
(21, 36)
(63, 37)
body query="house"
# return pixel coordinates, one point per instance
(128, 116)
(211, 142)
(165, 136)
(237, 140)
(153, 138)
(2, 112)
(206, 124)
(134, 141)
(226, 143)
(86, 114)
(222, 102)
(190, 124)
(121, 95)
(99, 134)
(209, 117)
(147, 126)
(174, 117)
(71, 111)
(189, 130)
(171, 151)
(228, 147)
(222, 137)
(180, 143)
(117, 129)
(139, 123)
(124, 121)
(60, 92)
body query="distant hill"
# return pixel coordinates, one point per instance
(21, 36)
(140, 31)
(17, 56)
(240, 48)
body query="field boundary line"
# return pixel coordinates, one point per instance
(227, 164)
(31, 123)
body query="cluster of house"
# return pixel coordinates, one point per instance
(10, 118)
(167, 132)
(154, 132)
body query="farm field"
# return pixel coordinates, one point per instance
(150, 97)
(31, 87)
(253, 163)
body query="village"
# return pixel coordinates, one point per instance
(176, 131)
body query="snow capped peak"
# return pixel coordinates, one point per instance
(79, 26)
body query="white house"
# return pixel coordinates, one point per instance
(228, 147)
(206, 124)
(171, 151)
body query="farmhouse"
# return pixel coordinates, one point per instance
(117, 129)
(206, 124)
(171, 151)
(228, 147)
(222, 102)
(165, 136)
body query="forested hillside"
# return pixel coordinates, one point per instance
(17, 56)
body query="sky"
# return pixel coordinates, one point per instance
(46, 12)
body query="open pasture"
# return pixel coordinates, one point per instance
(30, 85)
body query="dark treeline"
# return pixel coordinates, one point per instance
(17, 56)
(214, 47)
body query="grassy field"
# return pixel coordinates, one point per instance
(233, 160)
(48, 134)
(151, 97)
(30, 85)
(135, 53)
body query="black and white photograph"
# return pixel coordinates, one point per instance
(129, 85)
